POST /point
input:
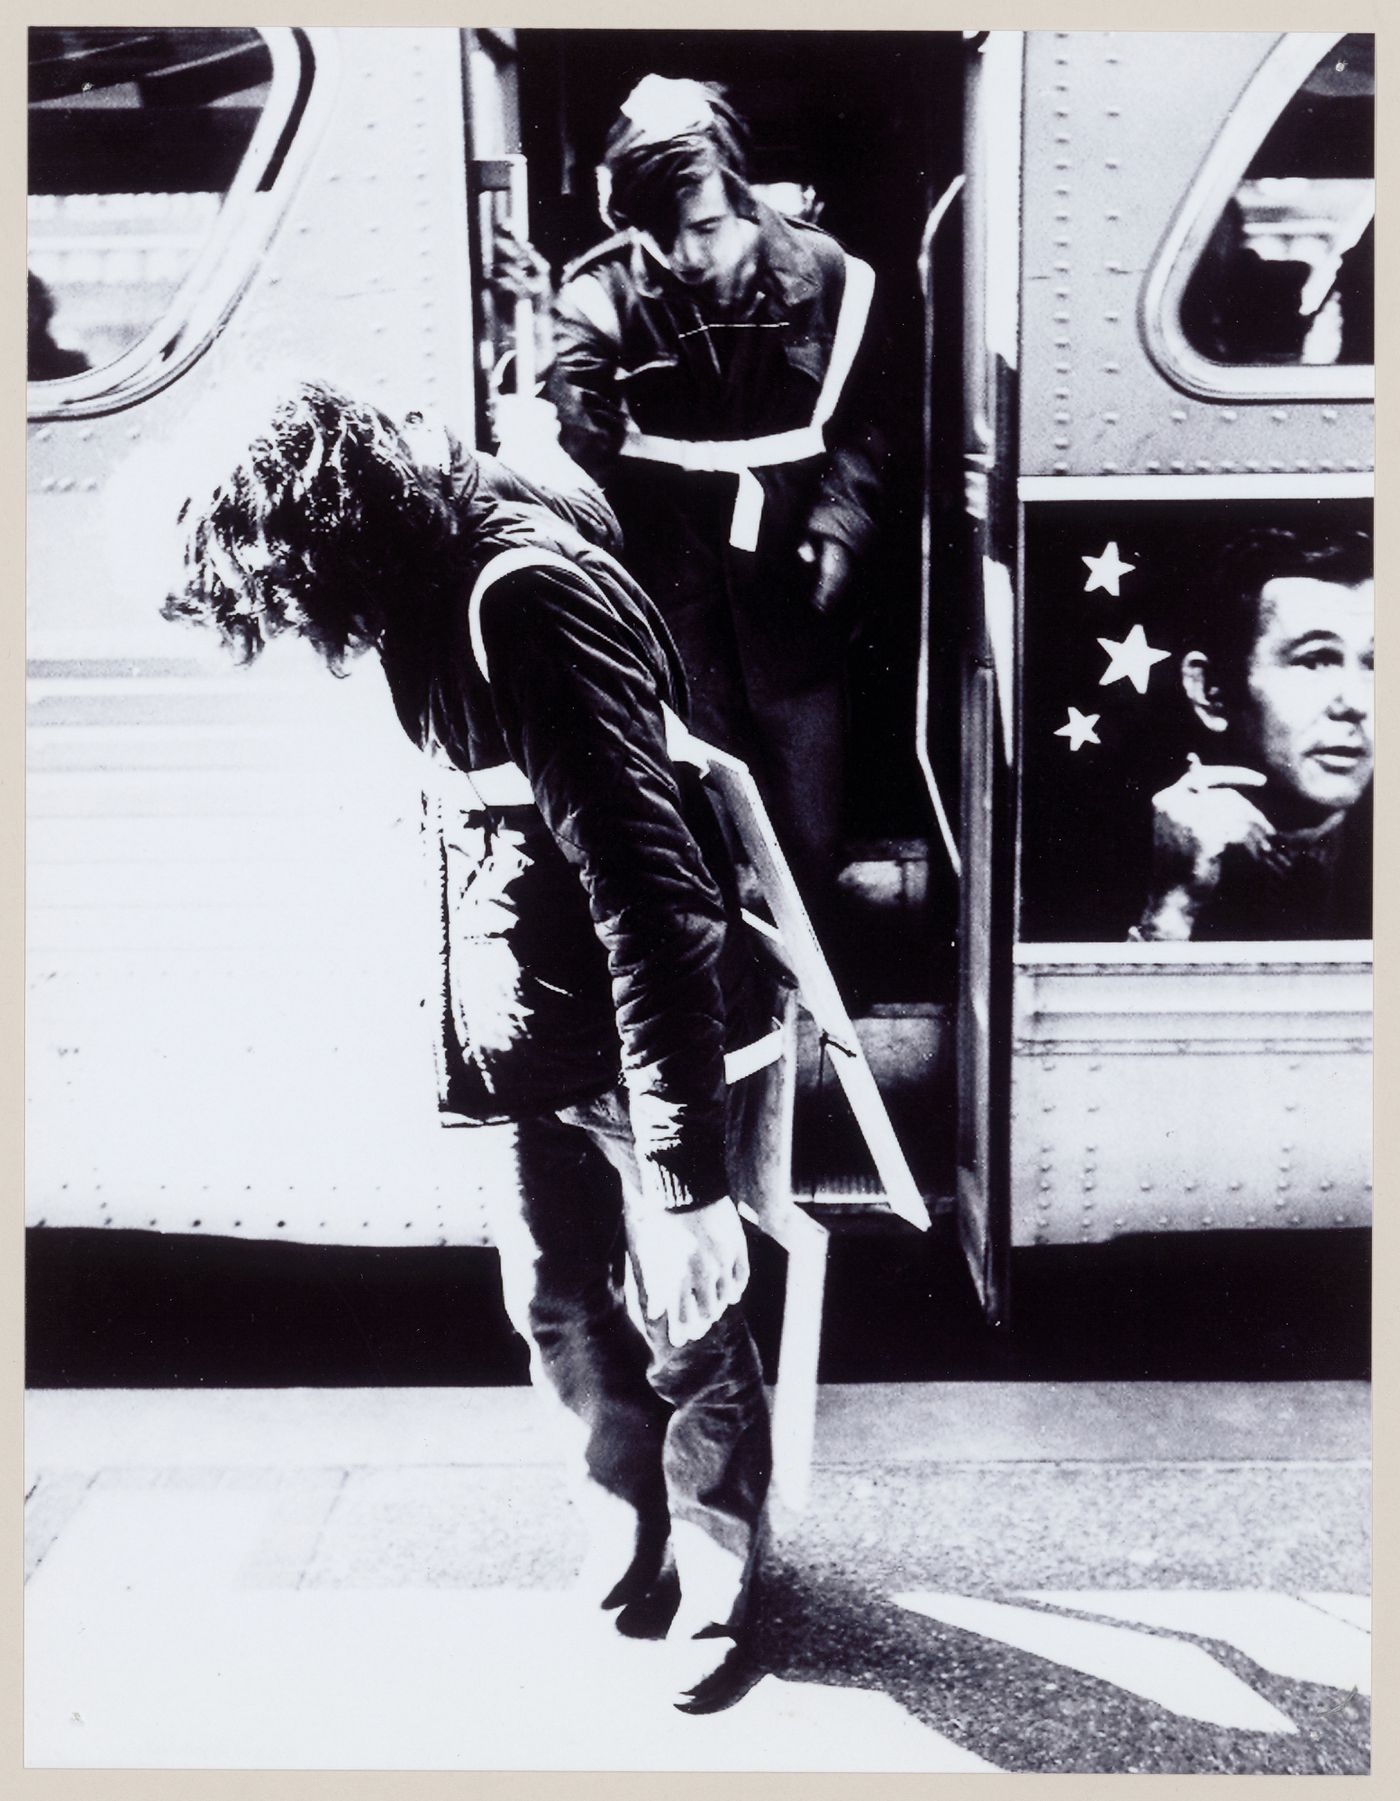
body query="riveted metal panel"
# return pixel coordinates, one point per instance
(292, 1099)
(1117, 125)
(228, 935)
(1155, 1092)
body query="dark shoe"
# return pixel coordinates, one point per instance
(651, 1613)
(713, 1669)
(650, 1562)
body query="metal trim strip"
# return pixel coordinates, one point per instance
(1079, 959)
(1302, 485)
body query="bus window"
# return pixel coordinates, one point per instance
(1270, 269)
(137, 141)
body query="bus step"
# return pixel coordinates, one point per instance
(909, 1047)
(848, 1201)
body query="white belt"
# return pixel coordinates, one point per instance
(741, 456)
(507, 785)
(731, 456)
(502, 785)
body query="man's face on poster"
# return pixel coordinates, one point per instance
(1303, 714)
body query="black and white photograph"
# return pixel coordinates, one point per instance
(698, 899)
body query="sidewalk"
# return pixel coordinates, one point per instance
(1156, 1576)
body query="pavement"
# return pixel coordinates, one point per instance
(1052, 1577)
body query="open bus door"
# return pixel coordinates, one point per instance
(1167, 358)
(990, 204)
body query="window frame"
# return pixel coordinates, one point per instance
(1259, 107)
(302, 66)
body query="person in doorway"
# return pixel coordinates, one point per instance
(712, 367)
(1267, 834)
(591, 980)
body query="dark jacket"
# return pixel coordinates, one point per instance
(634, 343)
(583, 935)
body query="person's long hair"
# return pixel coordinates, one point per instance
(323, 520)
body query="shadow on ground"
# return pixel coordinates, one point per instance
(1024, 1713)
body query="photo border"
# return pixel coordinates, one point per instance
(716, 14)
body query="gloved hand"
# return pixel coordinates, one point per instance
(831, 563)
(518, 270)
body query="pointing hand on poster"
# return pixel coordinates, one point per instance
(1194, 822)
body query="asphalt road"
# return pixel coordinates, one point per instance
(1053, 1576)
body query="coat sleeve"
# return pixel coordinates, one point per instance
(582, 380)
(580, 713)
(858, 458)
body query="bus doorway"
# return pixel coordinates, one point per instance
(862, 133)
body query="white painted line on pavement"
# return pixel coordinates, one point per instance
(1177, 1676)
(1354, 1609)
(1277, 1632)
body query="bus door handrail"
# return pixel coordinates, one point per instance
(922, 701)
(509, 175)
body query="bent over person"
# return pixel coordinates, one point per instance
(592, 979)
(713, 369)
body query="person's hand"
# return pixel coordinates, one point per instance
(690, 1266)
(1194, 822)
(526, 430)
(519, 273)
(518, 270)
(830, 562)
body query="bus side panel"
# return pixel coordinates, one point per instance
(1162, 1086)
(1109, 158)
(227, 926)
(1226, 1094)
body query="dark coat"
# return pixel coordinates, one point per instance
(583, 935)
(634, 343)
(1302, 890)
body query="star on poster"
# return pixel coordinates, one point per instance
(1106, 570)
(1132, 659)
(1080, 729)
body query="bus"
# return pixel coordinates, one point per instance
(1127, 299)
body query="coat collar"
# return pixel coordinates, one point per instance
(783, 257)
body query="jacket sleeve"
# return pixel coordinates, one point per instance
(582, 380)
(859, 448)
(580, 712)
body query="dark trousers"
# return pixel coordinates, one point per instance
(800, 752)
(669, 1440)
